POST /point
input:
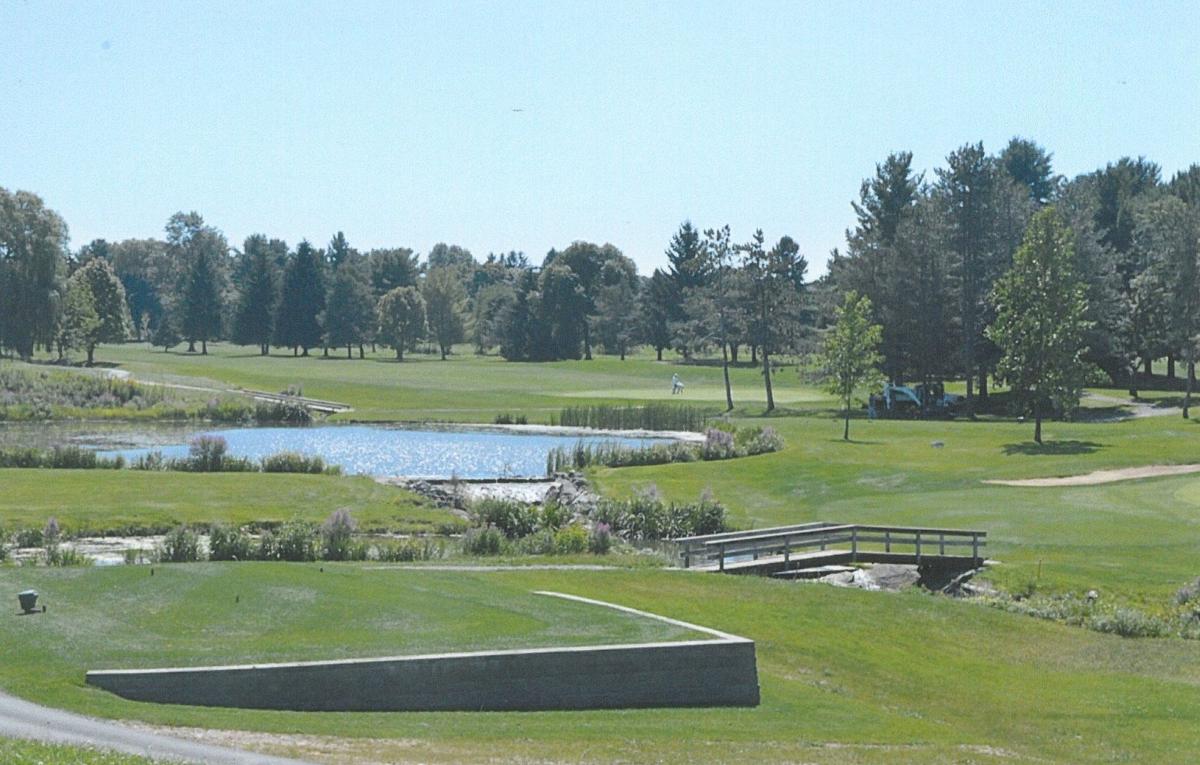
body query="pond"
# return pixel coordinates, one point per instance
(374, 450)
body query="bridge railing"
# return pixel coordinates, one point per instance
(858, 540)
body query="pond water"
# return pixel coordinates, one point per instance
(358, 449)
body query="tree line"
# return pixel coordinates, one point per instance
(928, 255)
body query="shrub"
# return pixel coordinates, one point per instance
(644, 516)
(293, 462)
(29, 538)
(513, 519)
(759, 440)
(510, 419)
(51, 534)
(1128, 622)
(336, 534)
(182, 545)
(540, 542)
(151, 461)
(483, 540)
(228, 543)
(554, 516)
(206, 453)
(571, 540)
(66, 556)
(267, 548)
(600, 539)
(718, 445)
(296, 540)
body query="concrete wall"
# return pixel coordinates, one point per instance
(720, 672)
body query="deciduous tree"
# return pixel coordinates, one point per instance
(1040, 321)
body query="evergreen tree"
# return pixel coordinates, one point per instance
(198, 254)
(517, 320)
(985, 213)
(258, 292)
(349, 315)
(1031, 166)
(657, 305)
(401, 319)
(1040, 321)
(775, 280)
(391, 268)
(301, 301)
(339, 251)
(445, 305)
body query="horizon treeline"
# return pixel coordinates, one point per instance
(928, 253)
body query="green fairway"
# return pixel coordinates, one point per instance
(466, 387)
(847, 676)
(885, 678)
(135, 501)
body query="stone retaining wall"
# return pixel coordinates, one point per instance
(721, 671)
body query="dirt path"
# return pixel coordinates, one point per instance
(1135, 409)
(24, 719)
(1104, 476)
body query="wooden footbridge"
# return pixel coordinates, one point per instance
(783, 549)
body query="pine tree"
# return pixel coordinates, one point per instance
(776, 280)
(349, 311)
(1040, 321)
(657, 304)
(301, 301)
(258, 293)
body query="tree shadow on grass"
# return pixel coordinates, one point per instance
(1029, 448)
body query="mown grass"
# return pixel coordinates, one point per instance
(14, 752)
(465, 388)
(134, 501)
(846, 676)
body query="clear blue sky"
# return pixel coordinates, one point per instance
(395, 121)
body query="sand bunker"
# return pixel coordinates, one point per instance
(1104, 476)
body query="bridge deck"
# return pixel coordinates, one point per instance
(790, 548)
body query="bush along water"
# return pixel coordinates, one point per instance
(720, 443)
(646, 517)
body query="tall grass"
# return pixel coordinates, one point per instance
(719, 444)
(647, 417)
(45, 394)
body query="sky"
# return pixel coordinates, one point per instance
(524, 126)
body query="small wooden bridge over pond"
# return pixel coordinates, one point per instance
(791, 550)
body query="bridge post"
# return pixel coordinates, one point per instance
(941, 544)
(854, 545)
(918, 547)
(787, 551)
(975, 547)
(887, 541)
(721, 565)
